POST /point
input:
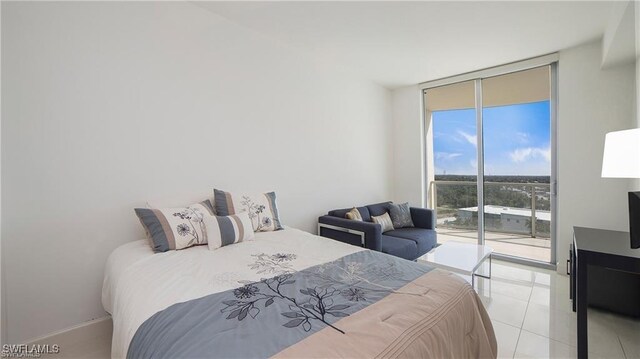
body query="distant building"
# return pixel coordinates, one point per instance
(506, 219)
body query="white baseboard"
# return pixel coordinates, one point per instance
(96, 328)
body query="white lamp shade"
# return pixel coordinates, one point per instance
(622, 154)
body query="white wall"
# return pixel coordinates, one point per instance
(407, 146)
(3, 332)
(618, 42)
(592, 102)
(108, 105)
(635, 184)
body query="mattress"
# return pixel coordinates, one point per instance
(288, 294)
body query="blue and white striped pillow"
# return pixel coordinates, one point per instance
(175, 228)
(261, 207)
(225, 230)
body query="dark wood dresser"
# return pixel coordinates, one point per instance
(605, 273)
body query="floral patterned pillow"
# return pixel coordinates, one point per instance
(175, 228)
(261, 208)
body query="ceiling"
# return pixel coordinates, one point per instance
(404, 43)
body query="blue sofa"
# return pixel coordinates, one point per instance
(408, 243)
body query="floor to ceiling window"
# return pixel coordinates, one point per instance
(490, 159)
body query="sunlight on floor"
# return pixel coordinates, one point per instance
(523, 246)
(532, 316)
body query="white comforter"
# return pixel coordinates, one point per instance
(138, 283)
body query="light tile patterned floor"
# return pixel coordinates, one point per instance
(517, 245)
(531, 315)
(533, 318)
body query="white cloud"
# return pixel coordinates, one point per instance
(446, 156)
(527, 153)
(472, 139)
(546, 154)
(523, 137)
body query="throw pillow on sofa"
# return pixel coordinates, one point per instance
(354, 214)
(400, 215)
(385, 221)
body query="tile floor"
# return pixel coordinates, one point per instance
(531, 315)
(518, 245)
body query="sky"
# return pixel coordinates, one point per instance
(516, 140)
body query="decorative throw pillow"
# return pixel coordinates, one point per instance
(261, 208)
(354, 214)
(175, 228)
(385, 221)
(225, 230)
(400, 215)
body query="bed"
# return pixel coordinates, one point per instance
(289, 294)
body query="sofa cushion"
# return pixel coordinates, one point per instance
(378, 209)
(400, 215)
(399, 247)
(354, 214)
(342, 213)
(425, 239)
(385, 221)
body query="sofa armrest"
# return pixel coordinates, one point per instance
(349, 231)
(423, 218)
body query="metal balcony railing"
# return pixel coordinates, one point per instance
(530, 190)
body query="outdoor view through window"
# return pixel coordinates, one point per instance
(516, 136)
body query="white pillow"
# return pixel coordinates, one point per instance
(354, 214)
(225, 230)
(262, 208)
(175, 228)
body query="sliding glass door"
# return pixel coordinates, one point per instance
(454, 185)
(490, 159)
(516, 127)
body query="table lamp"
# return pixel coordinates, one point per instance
(622, 160)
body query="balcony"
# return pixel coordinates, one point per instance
(517, 217)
